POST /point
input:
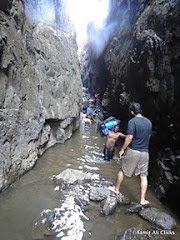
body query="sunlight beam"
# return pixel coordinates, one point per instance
(83, 12)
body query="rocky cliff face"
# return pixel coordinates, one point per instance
(40, 93)
(142, 62)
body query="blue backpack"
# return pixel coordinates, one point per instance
(104, 127)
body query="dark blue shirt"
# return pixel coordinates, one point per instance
(140, 128)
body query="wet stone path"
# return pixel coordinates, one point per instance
(38, 207)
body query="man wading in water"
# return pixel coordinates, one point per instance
(111, 139)
(136, 159)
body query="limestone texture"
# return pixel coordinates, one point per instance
(40, 90)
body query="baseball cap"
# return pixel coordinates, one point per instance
(135, 107)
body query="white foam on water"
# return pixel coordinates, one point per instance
(80, 167)
(67, 221)
(84, 137)
(81, 159)
(57, 188)
(91, 168)
(87, 147)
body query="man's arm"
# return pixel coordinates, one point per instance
(122, 135)
(127, 141)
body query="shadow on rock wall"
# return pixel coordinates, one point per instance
(142, 61)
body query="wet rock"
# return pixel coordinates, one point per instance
(41, 228)
(98, 193)
(48, 217)
(72, 176)
(159, 218)
(122, 200)
(109, 205)
(166, 178)
(134, 208)
(169, 176)
(82, 201)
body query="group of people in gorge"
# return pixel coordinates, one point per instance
(134, 152)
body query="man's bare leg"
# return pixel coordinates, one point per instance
(144, 185)
(119, 180)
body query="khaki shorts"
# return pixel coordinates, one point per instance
(135, 163)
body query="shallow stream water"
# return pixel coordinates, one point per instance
(23, 202)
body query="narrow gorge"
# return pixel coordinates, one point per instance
(45, 72)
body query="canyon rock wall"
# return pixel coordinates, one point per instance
(142, 62)
(40, 93)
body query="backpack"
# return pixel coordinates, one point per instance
(104, 127)
(109, 119)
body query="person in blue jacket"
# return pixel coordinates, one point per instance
(89, 112)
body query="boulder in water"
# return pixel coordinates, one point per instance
(98, 193)
(72, 176)
(159, 218)
(109, 205)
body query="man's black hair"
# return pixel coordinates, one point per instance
(135, 107)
